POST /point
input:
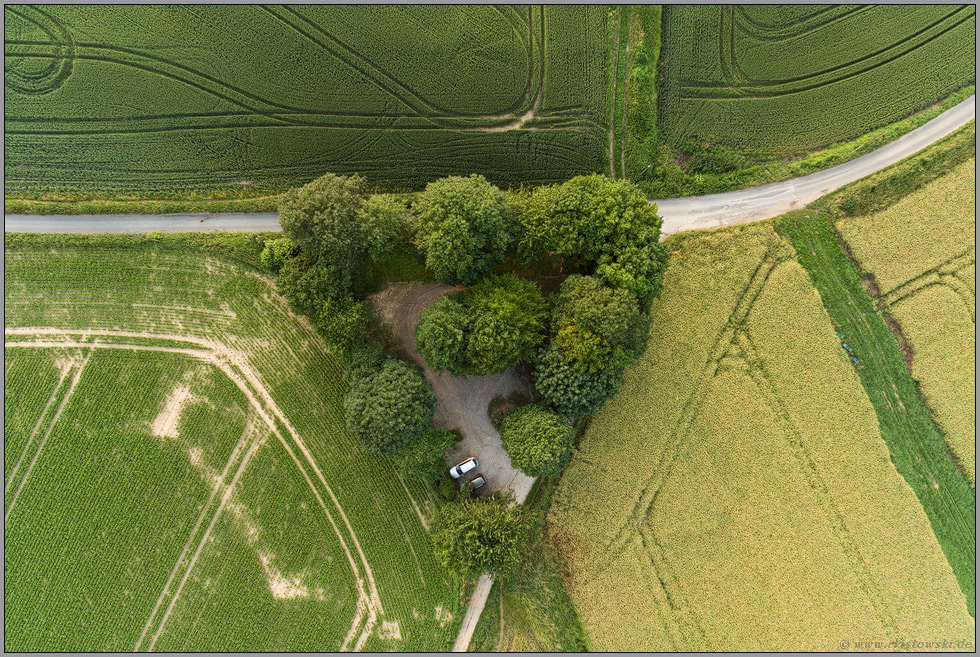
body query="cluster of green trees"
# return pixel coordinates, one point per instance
(601, 233)
(486, 330)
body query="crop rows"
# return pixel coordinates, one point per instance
(336, 521)
(779, 80)
(743, 485)
(922, 255)
(276, 95)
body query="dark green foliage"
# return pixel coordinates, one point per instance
(481, 535)
(916, 445)
(342, 322)
(390, 409)
(597, 222)
(463, 227)
(446, 490)
(508, 323)
(485, 330)
(441, 336)
(308, 283)
(277, 252)
(363, 360)
(384, 225)
(423, 460)
(596, 327)
(322, 218)
(538, 441)
(570, 391)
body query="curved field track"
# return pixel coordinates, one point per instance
(778, 80)
(234, 96)
(195, 363)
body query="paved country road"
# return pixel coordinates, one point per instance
(680, 214)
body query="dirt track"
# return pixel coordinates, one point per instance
(461, 401)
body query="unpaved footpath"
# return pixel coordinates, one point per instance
(679, 214)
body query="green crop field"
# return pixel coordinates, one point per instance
(157, 98)
(922, 253)
(780, 79)
(737, 494)
(177, 475)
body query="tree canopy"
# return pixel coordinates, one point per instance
(442, 334)
(481, 535)
(423, 459)
(463, 227)
(596, 327)
(597, 223)
(538, 440)
(508, 320)
(569, 390)
(322, 218)
(384, 225)
(391, 408)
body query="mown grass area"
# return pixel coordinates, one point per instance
(278, 96)
(312, 545)
(736, 494)
(921, 253)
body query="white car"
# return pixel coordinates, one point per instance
(460, 469)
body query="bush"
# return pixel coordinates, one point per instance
(570, 391)
(390, 409)
(482, 535)
(341, 322)
(463, 227)
(277, 252)
(423, 460)
(851, 205)
(538, 441)
(442, 334)
(308, 283)
(384, 225)
(446, 490)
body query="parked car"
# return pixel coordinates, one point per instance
(477, 482)
(460, 469)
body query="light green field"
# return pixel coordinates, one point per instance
(736, 494)
(783, 79)
(149, 99)
(922, 253)
(191, 485)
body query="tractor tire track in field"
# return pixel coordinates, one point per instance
(220, 485)
(752, 357)
(944, 274)
(37, 426)
(236, 368)
(680, 622)
(54, 420)
(257, 441)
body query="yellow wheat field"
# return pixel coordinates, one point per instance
(736, 494)
(922, 252)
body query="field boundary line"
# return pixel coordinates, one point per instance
(235, 454)
(76, 377)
